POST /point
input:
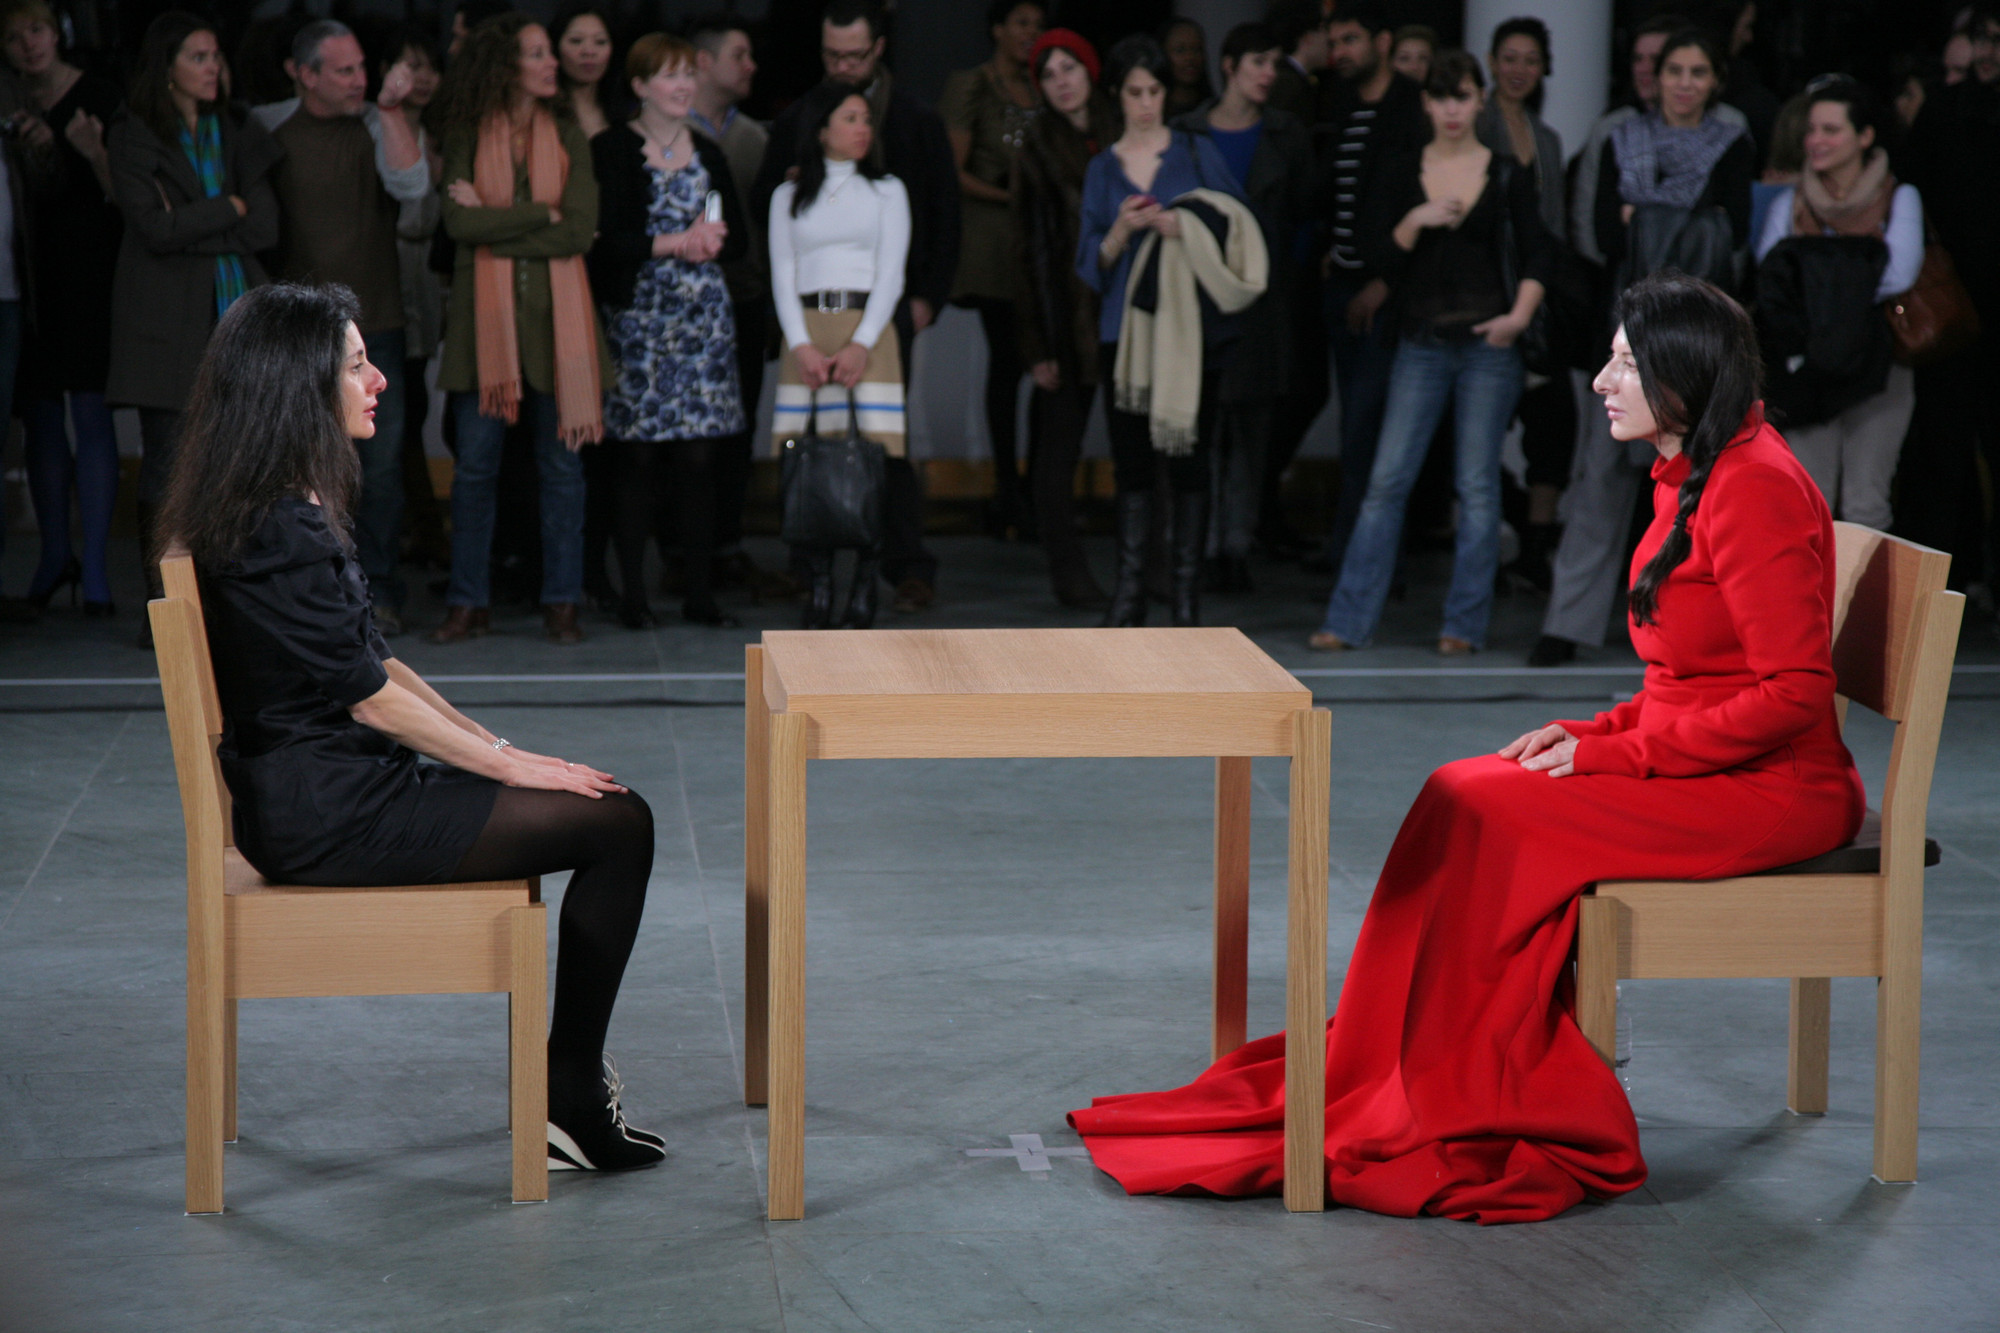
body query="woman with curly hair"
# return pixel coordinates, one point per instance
(521, 202)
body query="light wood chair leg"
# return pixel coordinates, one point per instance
(1597, 974)
(785, 1137)
(229, 1071)
(1228, 1028)
(206, 1047)
(1305, 963)
(1812, 1021)
(528, 1051)
(756, 870)
(1898, 1019)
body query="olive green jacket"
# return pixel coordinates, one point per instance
(523, 233)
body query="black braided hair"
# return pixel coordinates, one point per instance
(1698, 365)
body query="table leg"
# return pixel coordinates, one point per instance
(756, 876)
(785, 1139)
(1232, 905)
(1305, 966)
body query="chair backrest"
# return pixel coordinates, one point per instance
(1881, 586)
(1895, 634)
(194, 711)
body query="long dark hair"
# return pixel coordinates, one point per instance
(264, 421)
(1699, 368)
(149, 98)
(815, 113)
(481, 80)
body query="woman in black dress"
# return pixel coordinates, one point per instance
(323, 727)
(74, 234)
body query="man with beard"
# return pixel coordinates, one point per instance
(1372, 110)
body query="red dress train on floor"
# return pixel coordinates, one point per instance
(1458, 1082)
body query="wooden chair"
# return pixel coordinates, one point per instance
(251, 939)
(1857, 911)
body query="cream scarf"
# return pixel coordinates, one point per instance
(1157, 370)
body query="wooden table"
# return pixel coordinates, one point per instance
(1041, 693)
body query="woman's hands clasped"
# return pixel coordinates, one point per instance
(547, 773)
(1550, 750)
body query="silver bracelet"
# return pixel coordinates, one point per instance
(503, 744)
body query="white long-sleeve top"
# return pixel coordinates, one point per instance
(853, 238)
(1903, 232)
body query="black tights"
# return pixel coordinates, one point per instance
(608, 843)
(649, 465)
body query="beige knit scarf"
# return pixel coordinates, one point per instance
(1157, 370)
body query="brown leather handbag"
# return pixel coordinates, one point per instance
(1935, 318)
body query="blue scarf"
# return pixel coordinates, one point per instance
(203, 147)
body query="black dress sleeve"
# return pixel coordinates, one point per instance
(304, 592)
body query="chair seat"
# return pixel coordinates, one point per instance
(240, 878)
(1862, 856)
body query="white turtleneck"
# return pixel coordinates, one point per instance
(853, 238)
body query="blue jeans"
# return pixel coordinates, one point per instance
(1485, 382)
(474, 484)
(378, 518)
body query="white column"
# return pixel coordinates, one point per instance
(1580, 33)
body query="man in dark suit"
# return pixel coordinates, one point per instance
(910, 144)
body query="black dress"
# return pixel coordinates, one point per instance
(76, 234)
(320, 798)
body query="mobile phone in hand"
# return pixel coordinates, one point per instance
(711, 210)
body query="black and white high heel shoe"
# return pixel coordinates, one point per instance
(596, 1137)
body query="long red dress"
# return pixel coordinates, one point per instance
(1458, 1082)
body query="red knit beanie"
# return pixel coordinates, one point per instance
(1072, 42)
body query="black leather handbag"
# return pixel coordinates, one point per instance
(832, 488)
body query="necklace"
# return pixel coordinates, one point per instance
(666, 149)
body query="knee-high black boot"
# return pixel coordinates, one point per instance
(819, 593)
(861, 593)
(1189, 537)
(1135, 526)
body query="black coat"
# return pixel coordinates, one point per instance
(163, 295)
(624, 198)
(1950, 158)
(913, 148)
(1279, 192)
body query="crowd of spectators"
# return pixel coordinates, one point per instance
(580, 236)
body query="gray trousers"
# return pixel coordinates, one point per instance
(1604, 480)
(1852, 458)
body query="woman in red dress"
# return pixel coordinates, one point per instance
(1458, 1082)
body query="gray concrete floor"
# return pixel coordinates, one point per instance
(991, 944)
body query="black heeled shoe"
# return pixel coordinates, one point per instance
(636, 615)
(593, 1135)
(99, 610)
(71, 573)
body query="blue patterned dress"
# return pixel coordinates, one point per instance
(676, 344)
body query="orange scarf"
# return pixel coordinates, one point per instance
(579, 396)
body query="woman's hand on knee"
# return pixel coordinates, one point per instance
(549, 774)
(1550, 750)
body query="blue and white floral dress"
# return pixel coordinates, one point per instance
(676, 344)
